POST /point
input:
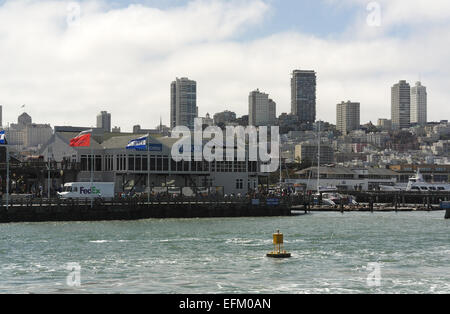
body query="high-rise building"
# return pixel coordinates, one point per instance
(1, 116)
(104, 121)
(303, 95)
(183, 103)
(400, 105)
(261, 109)
(419, 104)
(348, 117)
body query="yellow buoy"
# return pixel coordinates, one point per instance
(278, 251)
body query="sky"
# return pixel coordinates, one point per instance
(68, 60)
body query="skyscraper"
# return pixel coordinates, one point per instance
(347, 117)
(261, 109)
(303, 95)
(400, 105)
(183, 103)
(104, 121)
(419, 104)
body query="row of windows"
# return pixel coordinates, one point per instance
(162, 163)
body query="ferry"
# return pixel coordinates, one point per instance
(418, 184)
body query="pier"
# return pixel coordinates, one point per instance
(41, 209)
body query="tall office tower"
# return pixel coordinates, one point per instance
(104, 121)
(183, 103)
(400, 105)
(419, 104)
(1, 116)
(348, 117)
(261, 109)
(303, 95)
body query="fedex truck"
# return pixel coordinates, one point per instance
(85, 190)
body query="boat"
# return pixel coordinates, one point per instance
(418, 184)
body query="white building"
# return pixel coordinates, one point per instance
(401, 105)
(261, 109)
(36, 135)
(347, 117)
(419, 104)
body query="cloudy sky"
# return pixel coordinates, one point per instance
(67, 61)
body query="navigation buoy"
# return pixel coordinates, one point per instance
(278, 251)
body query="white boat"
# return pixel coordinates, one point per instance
(418, 184)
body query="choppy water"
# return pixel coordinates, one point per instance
(331, 254)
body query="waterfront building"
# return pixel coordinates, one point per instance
(401, 105)
(347, 117)
(346, 178)
(183, 103)
(303, 96)
(129, 170)
(432, 173)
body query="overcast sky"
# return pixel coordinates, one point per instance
(67, 63)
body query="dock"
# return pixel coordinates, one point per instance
(41, 210)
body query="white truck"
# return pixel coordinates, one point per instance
(84, 190)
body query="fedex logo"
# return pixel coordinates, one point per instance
(88, 191)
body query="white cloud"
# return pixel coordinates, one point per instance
(123, 60)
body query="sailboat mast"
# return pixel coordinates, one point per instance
(318, 158)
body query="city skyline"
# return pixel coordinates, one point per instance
(352, 61)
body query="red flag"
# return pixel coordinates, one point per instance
(82, 140)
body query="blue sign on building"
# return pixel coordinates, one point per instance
(273, 201)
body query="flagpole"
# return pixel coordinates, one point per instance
(7, 177)
(92, 173)
(148, 169)
(48, 180)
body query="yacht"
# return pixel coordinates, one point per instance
(418, 184)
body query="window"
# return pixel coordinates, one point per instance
(131, 162)
(152, 163)
(138, 163)
(239, 184)
(159, 164)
